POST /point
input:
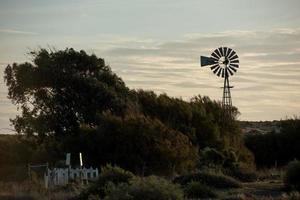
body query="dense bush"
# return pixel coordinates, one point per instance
(200, 119)
(108, 174)
(211, 157)
(148, 188)
(292, 176)
(198, 190)
(143, 145)
(276, 149)
(210, 179)
(114, 174)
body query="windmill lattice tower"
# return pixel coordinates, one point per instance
(224, 63)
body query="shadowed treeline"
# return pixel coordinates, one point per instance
(73, 102)
(276, 149)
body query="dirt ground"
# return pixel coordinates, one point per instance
(270, 189)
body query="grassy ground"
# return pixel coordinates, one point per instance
(271, 189)
(30, 191)
(256, 190)
(264, 188)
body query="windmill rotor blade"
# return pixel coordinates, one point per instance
(218, 53)
(234, 65)
(214, 66)
(233, 57)
(228, 52)
(225, 51)
(228, 69)
(219, 72)
(215, 59)
(221, 51)
(223, 73)
(234, 61)
(231, 54)
(215, 70)
(232, 68)
(214, 55)
(207, 61)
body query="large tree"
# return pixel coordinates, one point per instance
(60, 90)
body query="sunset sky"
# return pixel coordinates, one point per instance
(156, 44)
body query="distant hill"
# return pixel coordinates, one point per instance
(259, 127)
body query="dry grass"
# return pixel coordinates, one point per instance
(284, 196)
(262, 190)
(270, 187)
(33, 191)
(272, 173)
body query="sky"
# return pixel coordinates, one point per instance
(156, 45)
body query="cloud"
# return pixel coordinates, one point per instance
(269, 74)
(266, 86)
(17, 32)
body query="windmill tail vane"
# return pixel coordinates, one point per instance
(224, 62)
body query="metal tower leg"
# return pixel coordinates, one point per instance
(226, 100)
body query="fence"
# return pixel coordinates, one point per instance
(62, 176)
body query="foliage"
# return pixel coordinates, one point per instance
(292, 176)
(276, 149)
(147, 188)
(60, 90)
(200, 119)
(145, 145)
(136, 143)
(109, 174)
(211, 156)
(198, 190)
(226, 161)
(114, 174)
(208, 178)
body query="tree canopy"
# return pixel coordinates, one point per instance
(60, 90)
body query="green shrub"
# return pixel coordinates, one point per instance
(109, 174)
(198, 190)
(211, 157)
(148, 188)
(114, 174)
(292, 176)
(210, 179)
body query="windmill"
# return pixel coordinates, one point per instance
(224, 63)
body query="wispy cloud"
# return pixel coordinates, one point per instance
(269, 75)
(266, 87)
(17, 32)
